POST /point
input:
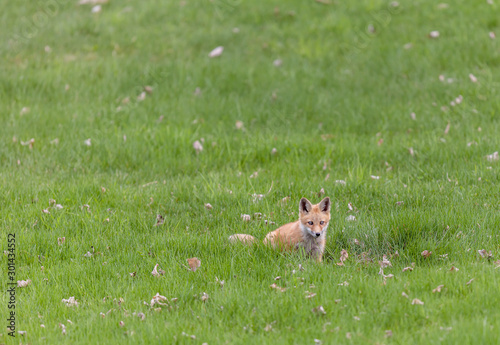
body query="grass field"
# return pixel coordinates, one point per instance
(356, 91)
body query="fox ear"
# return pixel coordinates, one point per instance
(305, 206)
(325, 204)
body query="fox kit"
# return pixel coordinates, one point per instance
(309, 232)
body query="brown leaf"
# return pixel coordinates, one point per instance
(70, 302)
(239, 125)
(434, 34)
(438, 289)
(310, 295)
(426, 254)
(194, 263)
(454, 269)
(216, 52)
(158, 299)
(493, 157)
(485, 254)
(246, 217)
(407, 269)
(23, 283)
(416, 301)
(159, 220)
(385, 262)
(447, 129)
(155, 272)
(197, 146)
(469, 282)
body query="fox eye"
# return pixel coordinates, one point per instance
(310, 223)
(322, 222)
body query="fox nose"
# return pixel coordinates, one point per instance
(318, 234)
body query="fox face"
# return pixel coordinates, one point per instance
(314, 219)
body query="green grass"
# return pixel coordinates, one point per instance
(339, 90)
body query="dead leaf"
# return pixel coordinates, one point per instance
(493, 157)
(88, 142)
(469, 282)
(426, 253)
(194, 263)
(23, 283)
(350, 218)
(159, 220)
(416, 301)
(343, 257)
(454, 269)
(404, 295)
(239, 125)
(141, 97)
(246, 217)
(208, 206)
(220, 282)
(434, 34)
(204, 297)
(70, 302)
(388, 333)
(381, 272)
(438, 289)
(155, 272)
(485, 254)
(407, 269)
(385, 262)
(310, 295)
(198, 147)
(216, 52)
(24, 110)
(447, 129)
(158, 299)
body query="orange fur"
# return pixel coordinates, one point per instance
(308, 232)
